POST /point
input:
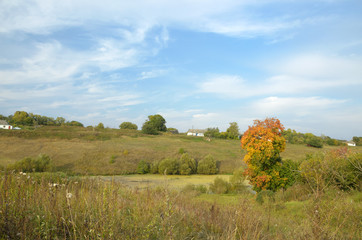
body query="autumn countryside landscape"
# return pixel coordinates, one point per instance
(180, 120)
(75, 182)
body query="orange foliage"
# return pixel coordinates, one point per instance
(264, 143)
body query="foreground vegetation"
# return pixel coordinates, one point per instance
(55, 206)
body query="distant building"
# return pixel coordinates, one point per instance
(351, 144)
(5, 125)
(196, 132)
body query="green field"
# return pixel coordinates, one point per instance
(88, 152)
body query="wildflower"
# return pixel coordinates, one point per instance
(69, 195)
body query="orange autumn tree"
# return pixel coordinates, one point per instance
(264, 142)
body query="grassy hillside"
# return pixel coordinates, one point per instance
(85, 151)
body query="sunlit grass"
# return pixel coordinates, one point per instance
(73, 150)
(55, 206)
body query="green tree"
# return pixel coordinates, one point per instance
(158, 122)
(100, 126)
(148, 128)
(143, 167)
(357, 140)
(22, 118)
(60, 121)
(207, 165)
(314, 141)
(187, 165)
(128, 125)
(169, 166)
(154, 124)
(74, 123)
(212, 132)
(233, 131)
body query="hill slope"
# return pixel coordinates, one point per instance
(84, 151)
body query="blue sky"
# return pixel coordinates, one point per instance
(197, 63)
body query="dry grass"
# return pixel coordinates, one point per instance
(82, 151)
(175, 182)
(50, 206)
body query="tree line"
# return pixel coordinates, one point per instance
(156, 124)
(310, 139)
(22, 118)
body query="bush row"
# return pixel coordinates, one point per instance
(185, 165)
(42, 163)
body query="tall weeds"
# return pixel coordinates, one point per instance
(54, 206)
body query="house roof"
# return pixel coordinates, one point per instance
(196, 131)
(3, 122)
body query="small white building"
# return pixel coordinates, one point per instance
(5, 125)
(196, 132)
(351, 144)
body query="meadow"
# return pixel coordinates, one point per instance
(93, 192)
(84, 151)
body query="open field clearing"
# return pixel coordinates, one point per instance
(176, 182)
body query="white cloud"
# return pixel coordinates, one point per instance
(326, 69)
(300, 74)
(112, 55)
(152, 74)
(226, 85)
(298, 106)
(50, 63)
(230, 17)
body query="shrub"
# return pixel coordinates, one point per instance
(148, 128)
(40, 164)
(113, 159)
(196, 189)
(128, 125)
(172, 130)
(169, 166)
(220, 186)
(143, 167)
(338, 168)
(100, 126)
(207, 165)
(237, 181)
(315, 142)
(289, 170)
(181, 151)
(187, 165)
(154, 167)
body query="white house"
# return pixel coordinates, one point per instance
(196, 132)
(351, 144)
(5, 125)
